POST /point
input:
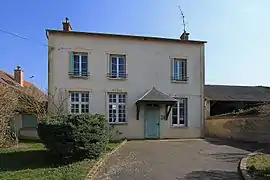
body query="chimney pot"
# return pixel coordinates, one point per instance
(66, 25)
(19, 75)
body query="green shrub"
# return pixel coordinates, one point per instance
(83, 135)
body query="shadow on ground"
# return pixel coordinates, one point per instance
(212, 175)
(13, 161)
(247, 146)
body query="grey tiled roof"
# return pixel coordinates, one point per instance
(155, 95)
(237, 93)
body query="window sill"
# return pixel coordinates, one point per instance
(115, 123)
(179, 126)
(78, 77)
(179, 82)
(119, 79)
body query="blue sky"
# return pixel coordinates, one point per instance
(237, 32)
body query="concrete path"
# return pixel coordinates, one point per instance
(173, 160)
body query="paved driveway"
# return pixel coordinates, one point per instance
(173, 160)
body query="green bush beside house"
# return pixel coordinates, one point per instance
(75, 136)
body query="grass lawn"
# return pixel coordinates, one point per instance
(259, 166)
(32, 161)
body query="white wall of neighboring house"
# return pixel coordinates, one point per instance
(148, 65)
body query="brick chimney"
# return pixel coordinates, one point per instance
(19, 75)
(66, 25)
(184, 36)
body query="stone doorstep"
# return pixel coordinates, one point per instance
(97, 166)
(243, 166)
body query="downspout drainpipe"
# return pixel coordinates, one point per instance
(202, 67)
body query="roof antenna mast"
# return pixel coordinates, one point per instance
(183, 18)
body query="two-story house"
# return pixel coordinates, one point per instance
(148, 87)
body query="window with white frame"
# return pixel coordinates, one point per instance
(117, 67)
(79, 102)
(79, 64)
(179, 70)
(179, 113)
(117, 107)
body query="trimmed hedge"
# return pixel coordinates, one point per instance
(82, 135)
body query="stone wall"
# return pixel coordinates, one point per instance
(253, 129)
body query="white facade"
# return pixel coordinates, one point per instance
(148, 64)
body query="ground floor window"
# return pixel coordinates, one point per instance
(79, 102)
(117, 110)
(179, 113)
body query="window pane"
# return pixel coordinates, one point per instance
(121, 61)
(122, 98)
(176, 69)
(117, 107)
(76, 64)
(114, 116)
(84, 97)
(114, 98)
(114, 60)
(77, 97)
(85, 108)
(84, 65)
(174, 120)
(113, 70)
(84, 59)
(121, 68)
(76, 108)
(174, 111)
(181, 70)
(72, 97)
(110, 98)
(182, 121)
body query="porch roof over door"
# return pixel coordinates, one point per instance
(155, 96)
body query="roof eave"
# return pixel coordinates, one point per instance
(126, 36)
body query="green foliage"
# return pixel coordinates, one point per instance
(83, 136)
(33, 161)
(259, 166)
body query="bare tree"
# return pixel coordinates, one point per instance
(58, 100)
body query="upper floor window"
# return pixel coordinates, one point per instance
(117, 107)
(179, 113)
(79, 102)
(179, 70)
(78, 64)
(117, 67)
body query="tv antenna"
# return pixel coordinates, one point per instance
(183, 18)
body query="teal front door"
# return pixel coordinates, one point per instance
(151, 122)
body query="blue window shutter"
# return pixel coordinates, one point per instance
(71, 62)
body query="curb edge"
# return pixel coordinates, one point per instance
(243, 166)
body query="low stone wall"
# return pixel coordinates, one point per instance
(252, 129)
